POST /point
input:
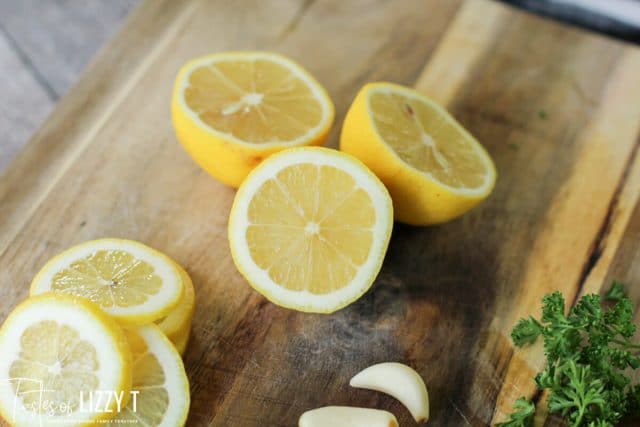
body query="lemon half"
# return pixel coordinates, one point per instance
(309, 229)
(231, 110)
(434, 169)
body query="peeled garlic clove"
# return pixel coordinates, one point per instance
(346, 416)
(399, 381)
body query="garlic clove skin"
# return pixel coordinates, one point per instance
(347, 416)
(399, 381)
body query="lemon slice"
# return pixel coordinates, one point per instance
(309, 229)
(130, 281)
(231, 110)
(160, 390)
(59, 353)
(181, 340)
(177, 323)
(434, 169)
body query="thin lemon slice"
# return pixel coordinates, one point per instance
(434, 169)
(231, 110)
(180, 339)
(130, 281)
(309, 229)
(58, 353)
(174, 324)
(160, 390)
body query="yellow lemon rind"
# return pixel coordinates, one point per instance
(176, 381)
(181, 339)
(181, 315)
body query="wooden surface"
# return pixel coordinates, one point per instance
(557, 109)
(619, 18)
(44, 45)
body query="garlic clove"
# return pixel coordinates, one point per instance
(399, 381)
(347, 416)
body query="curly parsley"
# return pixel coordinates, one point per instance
(522, 415)
(590, 359)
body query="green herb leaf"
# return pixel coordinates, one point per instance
(526, 332)
(590, 359)
(522, 416)
(616, 292)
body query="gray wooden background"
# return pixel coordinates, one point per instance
(44, 46)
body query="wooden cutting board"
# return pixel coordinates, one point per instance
(557, 108)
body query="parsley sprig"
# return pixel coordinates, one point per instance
(522, 415)
(590, 358)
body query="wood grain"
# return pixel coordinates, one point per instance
(564, 214)
(43, 48)
(24, 104)
(59, 37)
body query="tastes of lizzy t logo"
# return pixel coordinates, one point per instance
(38, 400)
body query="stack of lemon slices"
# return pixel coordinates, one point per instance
(99, 340)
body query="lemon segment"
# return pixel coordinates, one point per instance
(231, 110)
(57, 352)
(130, 281)
(160, 383)
(309, 229)
(434, 169)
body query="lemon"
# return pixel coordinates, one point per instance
(309, 228)
(160, 386)
(59, 353)
(180, 339)
(130, 281)
(180, 317)
(231, 110)
(434, 169)
(177, 324)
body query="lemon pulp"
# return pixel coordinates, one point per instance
(425, 139)
(254, 100)
(309, 236)
(111, 278)
(309, 228)
(132, 282)
(159, 381)
(56, 365)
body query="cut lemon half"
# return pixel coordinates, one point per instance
(434, 169)
(59, 353)
(130, 281)
(180, 316)
(160, 390)
(309, 229)
(231, 110)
